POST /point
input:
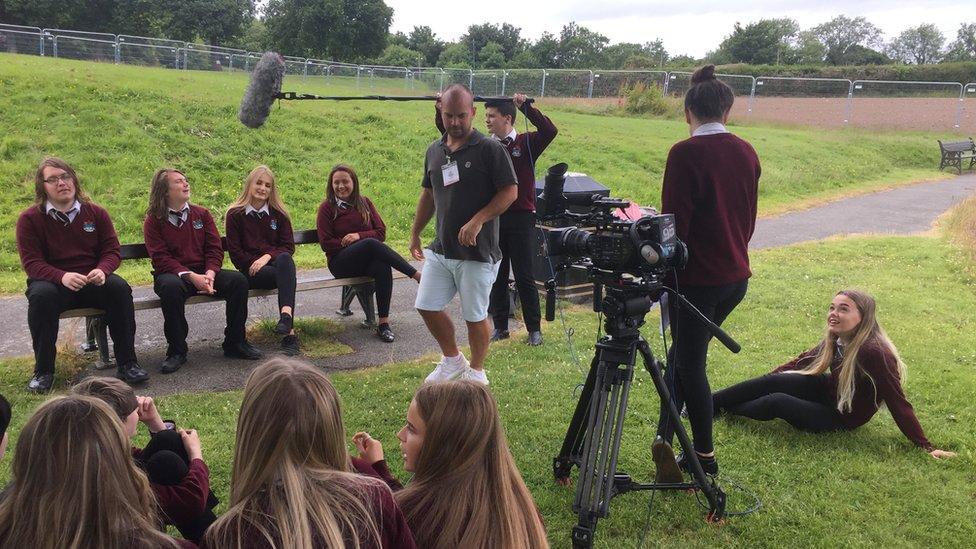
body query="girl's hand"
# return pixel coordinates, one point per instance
(369, 448)
(942, 454)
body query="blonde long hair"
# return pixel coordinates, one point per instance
(274, 199)
(869, 331)
(467, 491)
(291, 481)
(75, 483)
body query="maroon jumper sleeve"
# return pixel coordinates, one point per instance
(797, 363)
(882, 368)
(379, 228)
(286, 239)
(108, 243)
(213, 252)
(235, 244)
(162, 260)
(31, 257)
(377, 470)
(328, 239)
(545, 130)
(187, 500)
(678, 191)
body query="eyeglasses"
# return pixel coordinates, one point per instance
(53, 180)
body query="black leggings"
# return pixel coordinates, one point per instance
(803, 401)
(685, 377)
(279, 274)
(370, 257)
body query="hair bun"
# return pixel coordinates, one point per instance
(703, 74)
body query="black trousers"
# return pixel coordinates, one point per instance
(516, 238)
(685, 377)
(166, 462)
(803, 401)
(47, 300)
(280, 274)
(173, 292)
(370, 257)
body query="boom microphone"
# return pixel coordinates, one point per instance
(265, 87)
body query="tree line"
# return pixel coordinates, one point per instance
(358, 31)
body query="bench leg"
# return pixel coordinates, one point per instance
(91, 335)
(365, 294)
(348, 293)
(101, 333)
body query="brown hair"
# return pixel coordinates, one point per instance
(467, 491)
(40, 195)
(291, 482)
(708, 98)
(356, 199)
(114, 392)
(158, 191)
(75, 483)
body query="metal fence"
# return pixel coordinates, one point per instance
(817, 101)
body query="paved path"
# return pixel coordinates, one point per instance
(905, 210)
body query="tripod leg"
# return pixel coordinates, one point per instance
(714, 494)
(573, 443)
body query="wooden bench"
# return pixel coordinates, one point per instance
(955, 152)
(361, 288)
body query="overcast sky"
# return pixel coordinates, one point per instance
(691, 27)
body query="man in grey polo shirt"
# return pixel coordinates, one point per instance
(468, 182)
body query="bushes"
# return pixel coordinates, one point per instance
(960, 71)
(642, 99)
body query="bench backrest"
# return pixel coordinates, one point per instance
(957, 146)
(138, 251)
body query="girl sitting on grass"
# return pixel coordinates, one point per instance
(292, 481)
(74, 483)
(839, 384)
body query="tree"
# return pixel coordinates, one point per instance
(422, 39)
(806, 49)
(396, 55)
(860, 55)
(842, 32)
(347, 30)
(455, 55)
(963, 48)
(398, 39)
(82, 15)
(579, 48)
(492, 56)
(919, 45)
(507, 36)
(759, 43)
(545, 51)
(213, 21)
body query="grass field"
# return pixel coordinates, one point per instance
(867, 488)
(118, 124)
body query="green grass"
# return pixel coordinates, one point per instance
(866, 488)
(316, 336)
(118, 124)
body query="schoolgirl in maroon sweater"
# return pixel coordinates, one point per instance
(351, 233)
(69, 250)
(186, 253)
(261, 243)
(711, 183)
(839, 384)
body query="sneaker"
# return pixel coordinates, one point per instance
(285, 324)
(445, 371)
(666, 468)
(709, 464)
(290, 346)
(470, 374)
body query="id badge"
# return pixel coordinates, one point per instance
(450, 173)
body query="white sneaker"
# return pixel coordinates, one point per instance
(470, 374)
(446, 371)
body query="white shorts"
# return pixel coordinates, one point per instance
(443, 278)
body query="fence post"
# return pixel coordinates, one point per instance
(542, 92)
(186, 48)
(40, 45)
(55, 46)
(752, 95)
(118, 53)
(441, 87)
(359, 70)
(504, 78)
(589, 88)
(849, 108)
(667, 82)
(962, 94)
(470, 79)
(305, 70)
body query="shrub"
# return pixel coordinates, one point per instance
(642, 99)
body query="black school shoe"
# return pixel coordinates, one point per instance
(289, 345)
(498, 335)
(709, 464)
(285, 324)
(535, 338)
(172, 363)
(41, 383)
(666, 469)
(385, 333)
(132, 373)
(242, 350)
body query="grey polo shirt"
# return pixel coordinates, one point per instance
(484, 168)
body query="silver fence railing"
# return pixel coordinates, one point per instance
(830, 101)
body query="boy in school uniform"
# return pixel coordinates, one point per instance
(184, 246)
(70, 250)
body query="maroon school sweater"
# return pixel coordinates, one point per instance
(877, 382)
(524, 151)
(334, 223)
(49, 249)
(248, 238)
(711, 183)
(195, 246)
(186, 501)
(378, 470)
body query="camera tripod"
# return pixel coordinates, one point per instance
(593, 439)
